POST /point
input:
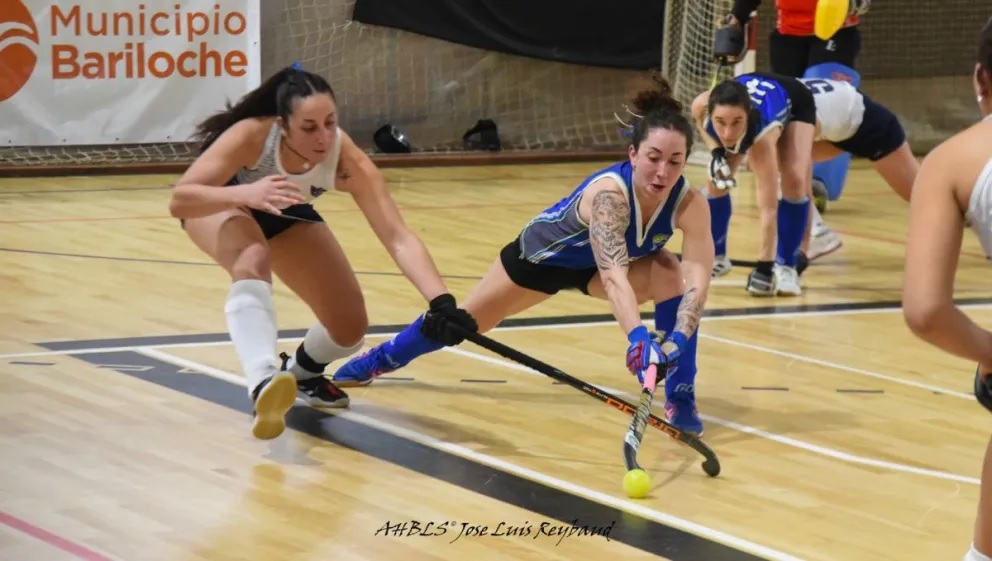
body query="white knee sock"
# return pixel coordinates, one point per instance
(316, 352)
(251, 321)
(974, 555)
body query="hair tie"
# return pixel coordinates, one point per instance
(296, 66)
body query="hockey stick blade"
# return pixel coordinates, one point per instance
(711, 463)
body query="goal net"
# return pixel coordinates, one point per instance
(434, 91)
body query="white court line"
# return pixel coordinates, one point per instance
(788, 441)
(837, 366)
(454, 449)
(575, 325)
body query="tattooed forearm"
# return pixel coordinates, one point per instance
(610, 218)
(687, 317)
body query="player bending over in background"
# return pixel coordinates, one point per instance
(850, 122)
(795, 50)
(606, 240)
(772, 119)
(954, 190)
(247, 203)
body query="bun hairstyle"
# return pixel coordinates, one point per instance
(273, 98)
(656, 108)
(659, 98)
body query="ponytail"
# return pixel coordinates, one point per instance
(273, 98)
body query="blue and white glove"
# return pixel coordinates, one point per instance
(643, 351)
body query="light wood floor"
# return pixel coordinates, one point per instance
(842, 437)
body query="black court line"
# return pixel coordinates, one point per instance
(204, 338)
(547, 501)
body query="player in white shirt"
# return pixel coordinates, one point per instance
(953, 191)
(849, 121)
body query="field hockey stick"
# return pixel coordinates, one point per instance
(711, 463)
(632, 440)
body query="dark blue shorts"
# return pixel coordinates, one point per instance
(879, 135)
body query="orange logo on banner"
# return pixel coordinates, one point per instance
(18, 41)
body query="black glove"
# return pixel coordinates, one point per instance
(729, 43)
(442, 320)
(983, 389)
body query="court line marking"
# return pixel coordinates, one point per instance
(781, 439)
(837, 366)
(52, 539)
(527, 473)
(575, 325)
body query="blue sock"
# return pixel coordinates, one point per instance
(683, 380)
(720, 211)
(792, 219)
(410, 344)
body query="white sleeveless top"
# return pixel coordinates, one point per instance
(840, 108)
(313, 183)
(979, 215)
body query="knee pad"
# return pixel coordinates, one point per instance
(983, 390)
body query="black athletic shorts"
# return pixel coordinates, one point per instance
(549, 279)
(271, 224)
(803, 105)
(879, 135)
(793, 54)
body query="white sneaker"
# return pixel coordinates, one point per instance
(787, 281)
(721, 266)
(823, 241)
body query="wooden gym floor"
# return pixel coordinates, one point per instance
(124, 423)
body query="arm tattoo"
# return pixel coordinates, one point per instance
(610, 218)
(687, 317)
(344, 174)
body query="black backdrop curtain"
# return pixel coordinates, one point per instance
(613, 33)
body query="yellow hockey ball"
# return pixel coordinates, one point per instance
(636, 483)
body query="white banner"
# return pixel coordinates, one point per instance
(121, 71)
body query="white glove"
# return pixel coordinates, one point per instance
(720, 173)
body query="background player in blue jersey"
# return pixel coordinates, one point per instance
(606, 240)
(772, 118)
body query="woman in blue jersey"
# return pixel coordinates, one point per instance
(772, 119)
(605, 239)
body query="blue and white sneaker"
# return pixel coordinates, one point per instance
(362, 369)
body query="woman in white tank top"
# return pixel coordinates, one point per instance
(246, 202)
(954, 190)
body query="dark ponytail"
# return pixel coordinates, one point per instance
(985, 48)
(657, 108)
(273, 98)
